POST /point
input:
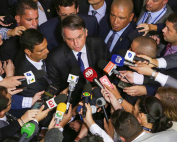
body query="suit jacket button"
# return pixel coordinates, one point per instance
(48, 10)
(120, 39)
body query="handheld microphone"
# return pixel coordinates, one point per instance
(104, 80)
(53, 102)
(91, 75)
(94, 110)
(131, 56)
(101, 103)
(120, 61)
(61, 108)
(31, 77)
(73, 80)
(74, 74)
(86, 96)
(72, 85)
(27, 131)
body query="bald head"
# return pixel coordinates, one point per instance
(144, 45)
(124, 4)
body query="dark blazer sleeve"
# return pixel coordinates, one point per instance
(17, 102)
(9, 130)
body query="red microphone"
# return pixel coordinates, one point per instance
(91, 75)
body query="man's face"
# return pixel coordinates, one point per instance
(169, 33)
(155, 5)
(39, 52)
(94, 2)
(63, 12)
(75, 39)
(29, 19)
(120, 17)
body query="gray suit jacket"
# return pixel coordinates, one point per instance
(171, 61)
(171, 82)
(165, 136)
(162, 19)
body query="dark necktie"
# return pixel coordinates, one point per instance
(111, 39)
(148, 17)
(94, 12)
(80, 62)
(44, 69)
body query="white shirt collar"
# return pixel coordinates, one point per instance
(4, 118)
(155, 14)
(83, 52)
(38, 65)
(101, 10)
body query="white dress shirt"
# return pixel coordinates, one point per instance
(42, 15)
(83, 56)
(100, 12)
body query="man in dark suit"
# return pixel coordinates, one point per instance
(27, 16)
(116, 35)
(76, 49)
(97, 8)
(51, 29)
(154, 12)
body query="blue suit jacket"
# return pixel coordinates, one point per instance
(52, 32)
(17, 102)
(123, 42)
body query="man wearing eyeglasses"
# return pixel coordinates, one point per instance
(51, 29)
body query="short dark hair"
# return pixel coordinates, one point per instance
(173, 19)
(73, 22)
(153, 108)
(126, 125)
(91, 138)
(65, 3)
(25, 4)
(3, 99)
(30, 38)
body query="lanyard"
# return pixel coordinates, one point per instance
(155, 18)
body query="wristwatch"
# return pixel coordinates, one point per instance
(120, 100)
(152, 76)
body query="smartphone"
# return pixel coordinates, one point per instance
(122, 84)
(38, 104)
(24, 88)
(50, 92)
(8, 20)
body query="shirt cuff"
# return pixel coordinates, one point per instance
(161, 78)
(1, 78)
(27, 102)
(35, 121)
(138, 78)
(162, 63)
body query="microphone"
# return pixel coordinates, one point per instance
(73, 80)
(101, 103)
(120, 61)
(72, 85)
(28, 130)
(131, 56)
(94, 110)
(91, 75)
(108, 67)
(53, 135)
(104, 80)
(74, 74)
(61, 108)
(53, 102)
(31, 77)
(86, 96)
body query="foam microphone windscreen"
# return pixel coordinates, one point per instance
(87, 88)
(53, 135)
(90, 74)
(75, 70)
(102, 64)
(96, 94)
(60, 98)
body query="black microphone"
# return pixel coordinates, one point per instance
(86, 95)
(32, 76)
(73, 80)
(53, 134)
